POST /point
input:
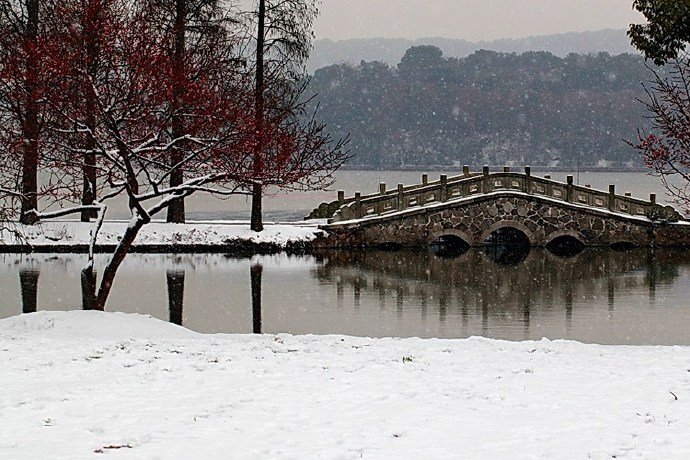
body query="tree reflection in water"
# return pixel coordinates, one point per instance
(256, 280)
(175, 280)
(28, 281)
(88, 288)
(406, 292)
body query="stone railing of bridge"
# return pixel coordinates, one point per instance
(470, 184)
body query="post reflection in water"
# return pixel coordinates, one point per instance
(175, 282)
(256, 275)
(28, 281)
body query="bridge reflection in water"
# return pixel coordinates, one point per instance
(502, 285)
(510, 292)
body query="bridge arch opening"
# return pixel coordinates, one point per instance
(623, 246)
(389, 246)
(449, 246)
(565, 246)
(507, 246)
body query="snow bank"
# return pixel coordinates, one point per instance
(91, 325)
(71, 233)
(70, 392)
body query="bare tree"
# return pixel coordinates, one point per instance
(23, 82)
(195, 31)
(283, 40)
(666, 149)
(131, 137)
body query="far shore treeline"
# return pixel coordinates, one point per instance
(488, 108)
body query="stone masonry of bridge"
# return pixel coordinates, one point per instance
(473, 206)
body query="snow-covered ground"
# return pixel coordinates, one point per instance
(84, 384)
(72, 233)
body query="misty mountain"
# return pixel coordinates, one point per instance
(390, 51)
(487, 108)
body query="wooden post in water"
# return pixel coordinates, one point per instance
(612, 197)
(444, 188)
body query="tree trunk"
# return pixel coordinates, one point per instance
(90, 191)
(176, 211)
(257, 189)
(118, 257)
(257, 223)
(30, 129)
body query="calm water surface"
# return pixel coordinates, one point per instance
(601, 296)
(598, 296)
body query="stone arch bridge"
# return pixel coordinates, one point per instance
(473, 206)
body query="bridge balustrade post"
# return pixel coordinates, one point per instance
(466, 171)
(549, 185)
(628, 193)
(612, 197)
(652, 198)
(401, 197)
(382, 192)
(341, 197)
(569, 190)
(528, 180)
(486, 186)
(506, 169)
(444, 188)
(425, 179)
(358, 204)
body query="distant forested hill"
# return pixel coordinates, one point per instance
(495, 108)
(390, 51)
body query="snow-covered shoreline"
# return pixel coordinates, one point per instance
(72, 235)
(80, 383)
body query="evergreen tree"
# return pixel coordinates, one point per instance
(666, 32)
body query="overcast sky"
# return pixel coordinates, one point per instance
(472, 20)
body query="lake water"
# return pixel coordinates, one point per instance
(599, 296)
